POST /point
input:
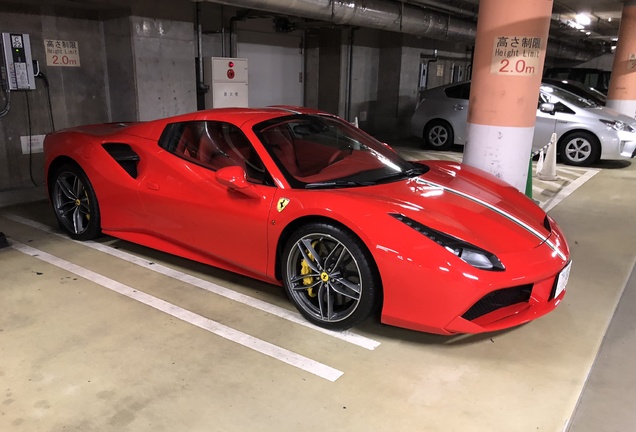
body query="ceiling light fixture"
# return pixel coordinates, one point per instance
(583, 19)
(574, 24)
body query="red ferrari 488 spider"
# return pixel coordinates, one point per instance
(301, 198)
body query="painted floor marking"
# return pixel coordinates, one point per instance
(574, 171)
(273, 351)
(537, 189)
(568, 190)
(278, 311)
(599, 346)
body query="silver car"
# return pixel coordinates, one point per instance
(586, 132)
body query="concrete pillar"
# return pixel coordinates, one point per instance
(509, 54)
(165, 74)
(622, 88)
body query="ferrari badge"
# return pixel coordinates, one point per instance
(282, 203)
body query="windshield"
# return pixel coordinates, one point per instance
(566, 96)
(319, 151)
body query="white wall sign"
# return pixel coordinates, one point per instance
(516, 55)
(62, 53)
(37, 144)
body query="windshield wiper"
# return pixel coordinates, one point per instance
(415, 171)
(337, 183)
(409, 173)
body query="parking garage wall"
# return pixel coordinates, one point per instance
(386, 78)
(78, 94)
(164, 67)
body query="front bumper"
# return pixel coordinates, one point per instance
(628, 149)
(473, 301)
(627, 144)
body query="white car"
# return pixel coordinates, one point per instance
(586, 132)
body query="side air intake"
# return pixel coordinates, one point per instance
(125, 157)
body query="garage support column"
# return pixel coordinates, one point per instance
(622, 88)
(509, 55)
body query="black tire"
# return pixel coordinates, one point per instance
(339, 289)
(74, 203)
(579, 148)
(438, 135)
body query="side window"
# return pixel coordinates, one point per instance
(591, 79)
(213, 145)
(559, 107)
(461, 91)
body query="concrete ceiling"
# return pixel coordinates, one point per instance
(604, 14)
(605, 17)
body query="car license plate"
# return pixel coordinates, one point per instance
(562, 279)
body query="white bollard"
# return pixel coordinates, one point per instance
(548, 170)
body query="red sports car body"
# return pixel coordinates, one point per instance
(298, 197)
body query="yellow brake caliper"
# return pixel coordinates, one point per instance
(88, 215)
(305, 269)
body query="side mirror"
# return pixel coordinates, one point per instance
(233, 177)
(547, 108)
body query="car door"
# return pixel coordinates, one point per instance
(187, 206)
(456, 110)
(560, 121)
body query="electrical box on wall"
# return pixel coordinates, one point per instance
(16, 51)
(227, 81)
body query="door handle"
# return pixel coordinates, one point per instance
(152, 186)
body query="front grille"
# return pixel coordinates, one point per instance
(497, 300)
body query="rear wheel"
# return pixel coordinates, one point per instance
(330, 276)
(438, 135)
(579, 149)
(75, 203)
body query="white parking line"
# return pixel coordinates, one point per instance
(276, 352)
(575, 171)
(568, 190)
(278, 311)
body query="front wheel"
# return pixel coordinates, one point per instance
(75, 203)
(438, 135)
(330, 276)
(579, 149)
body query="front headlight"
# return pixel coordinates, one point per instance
(471, 254)
(617, 125)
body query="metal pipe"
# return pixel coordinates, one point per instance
(199, 43)
(350, 73)
(388, 15)
(223, 53)
(223, 42)
(443, 6)
(378, 14)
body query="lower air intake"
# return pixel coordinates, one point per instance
(497, 300)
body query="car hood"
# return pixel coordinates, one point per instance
(468, 204)
(612, 114)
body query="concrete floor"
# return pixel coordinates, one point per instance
(75, 355)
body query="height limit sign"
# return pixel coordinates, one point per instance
(516, 55)
(62, 53)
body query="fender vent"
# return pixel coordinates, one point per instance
(125, 157)
(497, 300)
(546, 224)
